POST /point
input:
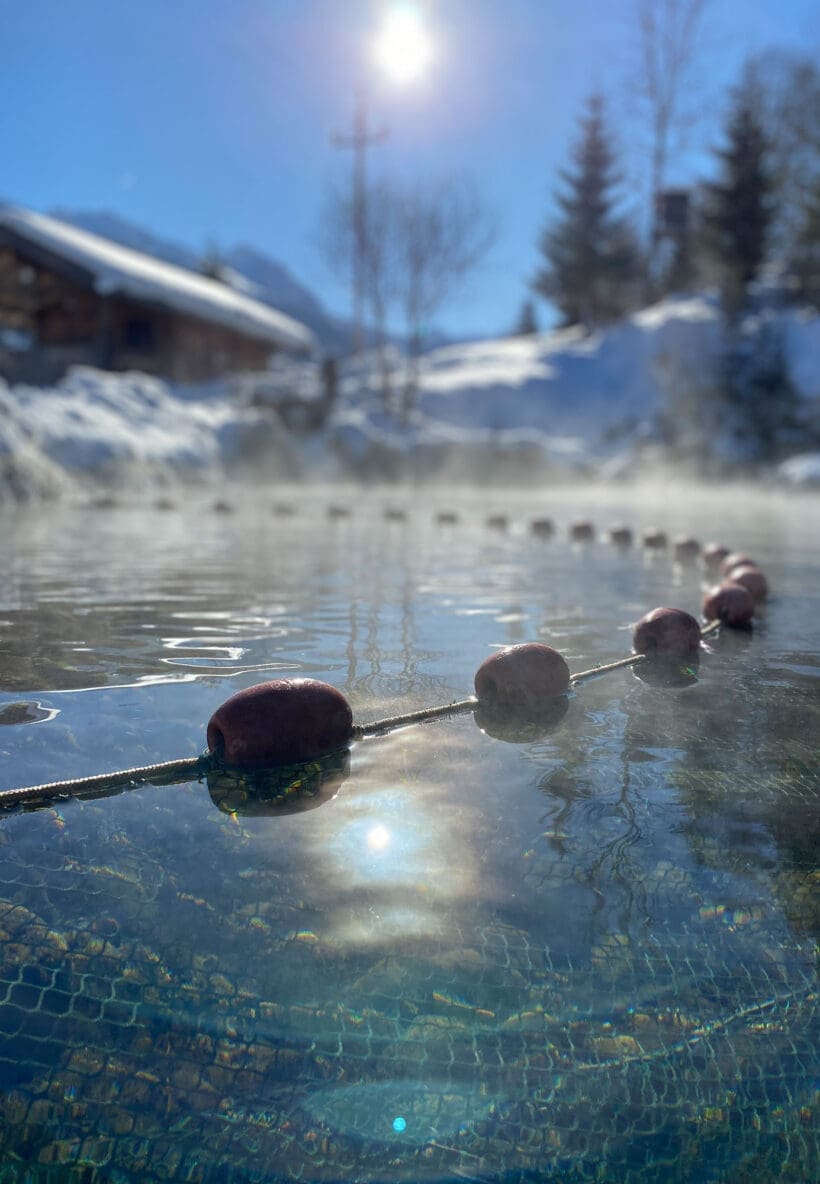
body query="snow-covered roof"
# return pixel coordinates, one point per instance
(123, 271)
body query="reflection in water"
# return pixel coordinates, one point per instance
(290, 789)
(668, 672)
(384, 857)
(584, 955)
(517, 726)
(13, 714)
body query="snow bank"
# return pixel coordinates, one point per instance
(129, 429)
(803, 469)
(568, 401)
(802, 328)
(563, 399)
(553, 404)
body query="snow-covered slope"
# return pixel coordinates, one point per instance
(517, 409)
(565, 393)
(568, 400)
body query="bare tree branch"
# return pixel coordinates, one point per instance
(422, 241)
(667, 32)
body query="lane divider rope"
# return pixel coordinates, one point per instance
(185, 769)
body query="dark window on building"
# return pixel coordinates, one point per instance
(139, 333)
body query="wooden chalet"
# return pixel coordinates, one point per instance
(69, 297)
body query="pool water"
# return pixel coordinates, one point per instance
(585, 952)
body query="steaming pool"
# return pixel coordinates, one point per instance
(581, 953)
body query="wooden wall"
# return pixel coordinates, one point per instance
(69, 323)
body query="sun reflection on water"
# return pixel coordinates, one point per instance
(378, 838)
(385, 852)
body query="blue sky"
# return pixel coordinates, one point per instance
(210, 122)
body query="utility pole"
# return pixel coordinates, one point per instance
(360, 140)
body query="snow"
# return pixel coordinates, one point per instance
(120, 270)
(803, 349)
(566, 393)
(130, 429)
(803, 469)
(246, 268)
(561, 403)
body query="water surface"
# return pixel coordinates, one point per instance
(581, 954)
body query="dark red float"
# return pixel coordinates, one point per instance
(734, 559)
(582, 531)
(542, 527)
(714, 554)
(730, 603)
(279, 723)
(522, 676)
(686, 549)
(666, 632)
(752, 578)
(620, 536)
(654, 539)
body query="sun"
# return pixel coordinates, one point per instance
(403, 48)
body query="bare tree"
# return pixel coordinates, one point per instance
(422, 242)
(668, 32)
(340, 231)
(442, 233)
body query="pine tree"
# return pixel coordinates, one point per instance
(806, 262)
(760, 407)
(526, 324)
(737, 214)
(592, 261)
(212, 263)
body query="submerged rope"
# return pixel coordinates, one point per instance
(179, 771)
(702, 1032)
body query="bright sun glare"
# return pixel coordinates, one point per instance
(378, 838)
(403, 48)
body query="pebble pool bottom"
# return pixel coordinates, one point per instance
(581, 954)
